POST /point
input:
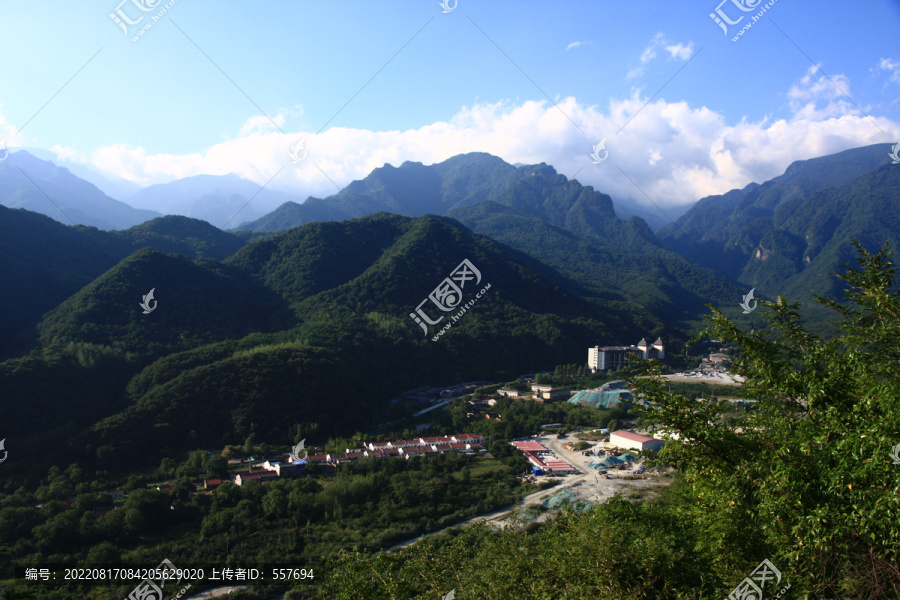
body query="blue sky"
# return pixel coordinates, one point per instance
(685, 111)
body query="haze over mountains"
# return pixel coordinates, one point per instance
(41, 186)
(221, 200)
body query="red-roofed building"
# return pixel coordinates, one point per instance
(533, 447)
(386, 453)
(471, 438)
(342, 457)
(634, 441)
(559, 466)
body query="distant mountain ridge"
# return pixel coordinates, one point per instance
(789, 234)
(411, 190)
(536, 210)
(221, 200)
(114, 187)
(40, 186)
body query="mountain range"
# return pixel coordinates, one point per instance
(790, 234)
(288, 329)
(221, 200)
(40, 186)
(305, 314)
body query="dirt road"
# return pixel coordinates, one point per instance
(587, 485)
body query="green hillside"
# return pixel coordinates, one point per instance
(572, 228)
(725, 232)
(311, 325)
(43, 262)
(172, 234)
(196, 303)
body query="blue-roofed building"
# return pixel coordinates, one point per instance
(603, 399)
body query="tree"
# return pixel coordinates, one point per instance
(74, 474)
(612, 425)
(275, 502)
(166, 468)
(217, 466)
(104, 553)
(250, 445)
(807, 480)
(183, 488)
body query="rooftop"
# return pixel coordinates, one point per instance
(634, 437)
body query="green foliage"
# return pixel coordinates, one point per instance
(617, 552)
(370, 504)
(807, 480)
(53, 261)
(104, 315)
(807, 483)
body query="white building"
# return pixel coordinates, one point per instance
(634, 441)
(602, 358)
(548, 392)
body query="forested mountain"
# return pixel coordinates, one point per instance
(290, 329)
(41, 186)
(411, 190)
(415, 189)
(43, 262)
(811, 238)
(571, 227)
(575, 230)
(789, 235)
(564, 272)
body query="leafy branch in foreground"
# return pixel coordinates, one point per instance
(808, 480)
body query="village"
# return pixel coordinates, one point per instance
(605, 455)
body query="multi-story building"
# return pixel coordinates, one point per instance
(603, 358)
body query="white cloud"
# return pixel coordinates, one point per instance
(892, 67)
(576, 44)
(680, 51)
(818, 96)
(261, 123)
(675, 153)
(9, 133)
(677, 51)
